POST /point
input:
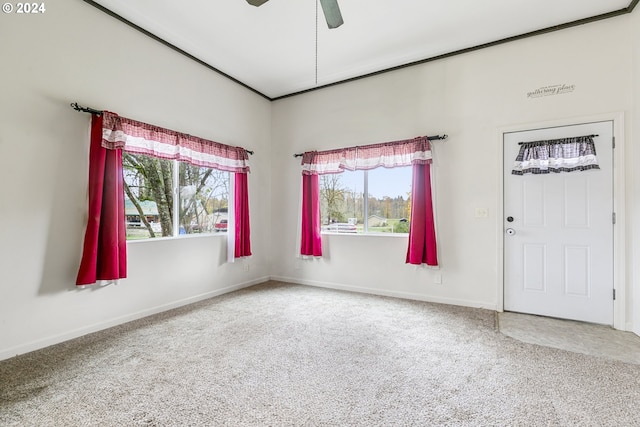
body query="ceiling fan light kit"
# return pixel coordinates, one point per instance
(329, 7)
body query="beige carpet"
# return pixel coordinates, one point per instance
(279, 354)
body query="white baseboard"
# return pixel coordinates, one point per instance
(57, 339)
(387, 293)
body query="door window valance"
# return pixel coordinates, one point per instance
(556, 155)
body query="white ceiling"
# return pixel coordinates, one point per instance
(272, 48)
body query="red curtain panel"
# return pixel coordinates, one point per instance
(311, 241)
(422, 232)
(104, 255)
(241, 205)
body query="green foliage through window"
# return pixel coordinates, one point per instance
(155, 189)
(386, 208)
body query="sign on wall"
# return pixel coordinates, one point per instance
(551, 90)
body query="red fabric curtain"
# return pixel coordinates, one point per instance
(311, 242)
(241, 210)
(422, 232)
(104, 255)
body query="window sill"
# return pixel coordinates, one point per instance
(395, 235)
(179, 237)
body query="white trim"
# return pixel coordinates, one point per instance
(394, 294)
(298, 241)
(56, 339)
(176, 199)
(619, 244)
(231, 220)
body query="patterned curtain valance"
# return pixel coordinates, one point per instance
(142, 138)
(386, 154)
(556, 155)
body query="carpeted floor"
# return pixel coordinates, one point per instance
(279, 354)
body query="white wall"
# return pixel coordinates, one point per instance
(634, 156)
(71, 53)
(470, 97)
(76, 53)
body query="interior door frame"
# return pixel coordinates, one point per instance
(619, 241)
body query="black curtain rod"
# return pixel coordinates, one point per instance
(558, 139)
(430, 138)
(77, 107)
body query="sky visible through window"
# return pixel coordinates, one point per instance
(382, 181)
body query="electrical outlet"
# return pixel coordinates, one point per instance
(437, 279)
(246, 267)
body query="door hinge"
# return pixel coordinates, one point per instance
(613, 217)
(614, 294)
(613, 141)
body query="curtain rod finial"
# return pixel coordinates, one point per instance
(77, 107)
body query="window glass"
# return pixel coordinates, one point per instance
(204, 199)
(150, 185)
(342, 202)
(387, 207)
(389, 200)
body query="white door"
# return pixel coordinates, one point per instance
(558, 232)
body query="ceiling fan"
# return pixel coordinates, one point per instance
(329, 7)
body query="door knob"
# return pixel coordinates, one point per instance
(509, 219)
(510, 231)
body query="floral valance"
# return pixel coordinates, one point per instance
(387, 154)
(556, 155)
(142, 138)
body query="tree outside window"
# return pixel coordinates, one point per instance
(386, 208)
(155, 189)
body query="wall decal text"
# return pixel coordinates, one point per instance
(551, 90)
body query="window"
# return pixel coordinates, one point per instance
(385, 209)
(156, 188)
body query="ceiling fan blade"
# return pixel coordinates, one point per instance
(331, 13)
(257, 2)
